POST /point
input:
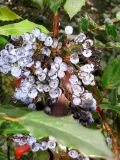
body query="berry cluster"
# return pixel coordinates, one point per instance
(32, 59)
(32, 142)
(49, 143)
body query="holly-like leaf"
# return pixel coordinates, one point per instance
(65, 129)
(111, 75)
(107, 106)
(72, 7)
(113, 44)
(119, 90)
(54, 4)
(118, 15)
(20, 28)
(111, 30)
(113, 97)
(84, 24)
(8, 128)
(43, 155)
(3, 41)
(39, 2)
(7, 15)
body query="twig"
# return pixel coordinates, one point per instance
(106, 47)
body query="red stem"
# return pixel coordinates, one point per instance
(108, 128)
(56, 25)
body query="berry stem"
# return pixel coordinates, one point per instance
(111, 134)
(56, 25)
(108, 129)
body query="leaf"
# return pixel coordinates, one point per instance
(113, 97)
(54, 4)
(98, 43)
(3, 41)
(118, 15)
(72, 7)
(66, 130)
(109, 106)
(7, 15)
(113, 44)
(20, 28)
(91, 21)
(39, 2)
(111, 75)
(111, 30)
(84, 24)
(119, 90)
(8, 127)
(43, 155)
(3, 155)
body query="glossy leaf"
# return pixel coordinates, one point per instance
(43, 155)
(84, 24)
(111, 75)
(72, 7)
(3, 41)
(111, 107)
(113, 44)
(111, 30)
(7, 15)
(39, 2)
(20, 28)
(118, 15)
(65, 129)
(119, 90)
(8, 128)
(113, 97)
(54, 4)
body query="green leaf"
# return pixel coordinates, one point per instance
(66, 130)
(109, 106)
(7, 15)
(93, 24)
(118, 15)
(111, 30)
(91, 21)
(119, 90)
(113, 44)
(72, 7)
(113, 97)
(13, 111)
(3, 41)
(3, 155)
(39, 2)
(54, 4)
(84, 24)
(98, 43)
(43, 155)
(111, 75)
(8, 128)
(20, 28)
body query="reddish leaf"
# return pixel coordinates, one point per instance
(19, 151)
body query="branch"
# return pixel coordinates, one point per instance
(108, 129)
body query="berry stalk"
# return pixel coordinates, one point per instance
(108, 129)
